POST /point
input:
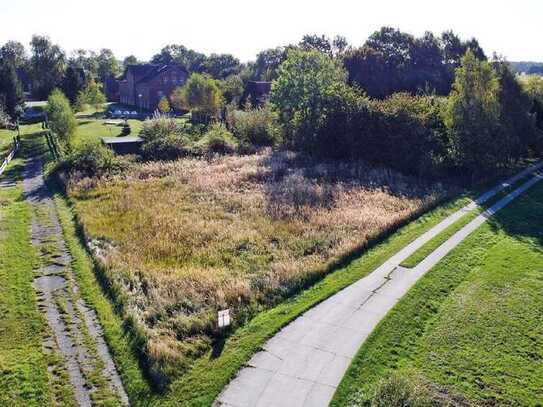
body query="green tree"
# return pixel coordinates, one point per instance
(107, 64)
(201, 95)
(473, 114)
(164, 105)
(221, 66)
(11, 93)
(48, 63)
(60, 116)
(130, 60)
(308, 81)
(267, 63)
(14, 51)
(91, 95)
(232, 89)
(190, 59)
(73, 83)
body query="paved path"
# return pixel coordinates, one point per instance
(303, 364)
(75, 334)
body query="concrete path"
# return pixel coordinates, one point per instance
(75, 334)
(304, 363)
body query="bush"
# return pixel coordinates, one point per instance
(401, 391)
(217, 140)
(164, 139)
(92, 159)
(4, 118)
(126, 130)
(60, 116)
(255, 127)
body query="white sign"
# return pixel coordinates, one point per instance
(224, 318)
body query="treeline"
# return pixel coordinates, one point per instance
(487, 120)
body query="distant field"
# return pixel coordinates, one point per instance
(470, 332)
(183, 239)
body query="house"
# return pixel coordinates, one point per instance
(257, 91)
(144, 85)
(111, 89)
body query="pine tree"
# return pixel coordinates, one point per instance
(11, 92)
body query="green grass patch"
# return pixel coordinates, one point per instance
(24, 378)
(472, 326)
(94, 130)
(441, 238)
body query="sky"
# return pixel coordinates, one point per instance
(242, 27)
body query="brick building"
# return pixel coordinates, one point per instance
(144, 85)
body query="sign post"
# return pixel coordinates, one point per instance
(224, 318)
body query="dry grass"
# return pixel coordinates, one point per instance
(183, 239)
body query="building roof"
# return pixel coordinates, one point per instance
(146, 72)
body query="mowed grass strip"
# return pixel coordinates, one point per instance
(24, 378)
(472, 327)
(441, 238)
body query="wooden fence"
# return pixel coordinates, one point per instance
(14, 149)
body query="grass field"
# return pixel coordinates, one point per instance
(95, 129)
(470, 332)
(237, 232)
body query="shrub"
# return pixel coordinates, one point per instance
(4, 118)
(60, 116)
(164, 139)
(92, 159)
(401, 391)
(217, 140)
(255, 127)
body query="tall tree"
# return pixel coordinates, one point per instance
(130, 60)
(48, 63)
(332, 47)
(60, 116)
(107, 64)
(190, 59)
(201, 95)
(74, 82)
(368, 69)
(473, 115)
(267, 63)
(11, 93)
(15, 52)
(221, 66)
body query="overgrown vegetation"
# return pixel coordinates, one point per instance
(238, 232)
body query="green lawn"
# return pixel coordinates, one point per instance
(95, 129)
(434, 243)
(471, 329)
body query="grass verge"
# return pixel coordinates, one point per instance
(472, 326)
(24, 378)
(441, 238)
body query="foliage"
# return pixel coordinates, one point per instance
(472, 115)
(5, 120)
(307, 82)
(331, 47)
(164, 139)
(201, 95)
(232, 89)
(255, 127)
(107, 64)
(399, 390)
(217, 140)
(164, 105)
(190, 59)
(393, 61)
(60, 117)
(267, 63)
(11, 93)
(91, 159)
(73, 83)
(221, 66)
(47, 64)
(91, 95)
(130, 60)
(533, 86)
